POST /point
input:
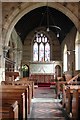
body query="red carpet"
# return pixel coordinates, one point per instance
(46, 84)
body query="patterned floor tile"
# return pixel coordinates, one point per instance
(45, 106)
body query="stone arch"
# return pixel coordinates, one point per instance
(22, 10)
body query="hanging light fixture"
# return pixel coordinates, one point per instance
(47, 20)
(53, 25)
(50, 23)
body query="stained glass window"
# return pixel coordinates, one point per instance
(41, 48)
(35, 52)
(41, 52)
(47, 52)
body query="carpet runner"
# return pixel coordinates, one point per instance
(45, 106)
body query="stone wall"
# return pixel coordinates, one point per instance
(70, 42)
(28, 49)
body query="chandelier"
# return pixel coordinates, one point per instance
(50, 23)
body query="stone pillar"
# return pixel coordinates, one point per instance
(2, 64)
(4, 51)
(2, 68)
(2, 60)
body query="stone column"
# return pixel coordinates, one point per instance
(2, 61)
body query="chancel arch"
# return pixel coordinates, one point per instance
(22, 10)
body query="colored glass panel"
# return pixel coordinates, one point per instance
(41, 52)
(35, 52)
(47, 52)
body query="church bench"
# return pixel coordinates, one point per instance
(70, 103)
(26, 80)
(9, 111)
(76, 105)
(9, 98)
(25, 84)
(12, 93)
(31, 83)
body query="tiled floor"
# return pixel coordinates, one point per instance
(45, 106)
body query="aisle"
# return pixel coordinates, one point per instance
(46, 106)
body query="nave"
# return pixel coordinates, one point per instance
(45, 105)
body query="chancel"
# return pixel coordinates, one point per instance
(40, 60)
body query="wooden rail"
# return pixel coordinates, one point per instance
(73, 79)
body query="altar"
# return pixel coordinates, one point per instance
(43, 72)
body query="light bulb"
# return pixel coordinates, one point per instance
(48, 29)
(57, 34)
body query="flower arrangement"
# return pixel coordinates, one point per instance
(24, 68)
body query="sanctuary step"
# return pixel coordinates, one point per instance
(46, 84)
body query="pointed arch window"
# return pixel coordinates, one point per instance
(35, 52)
(41, 52)
(41, 48)
(47, 51)
(65, 58)
(77, 51)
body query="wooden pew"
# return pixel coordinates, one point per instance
(72, 101)
(12, 93)
(30, 82)
(9, 111)
(10, 97)
(68, 101)
(76, 105)
(68, 95)
(72, 81)
(24, 81)
(26, 84)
